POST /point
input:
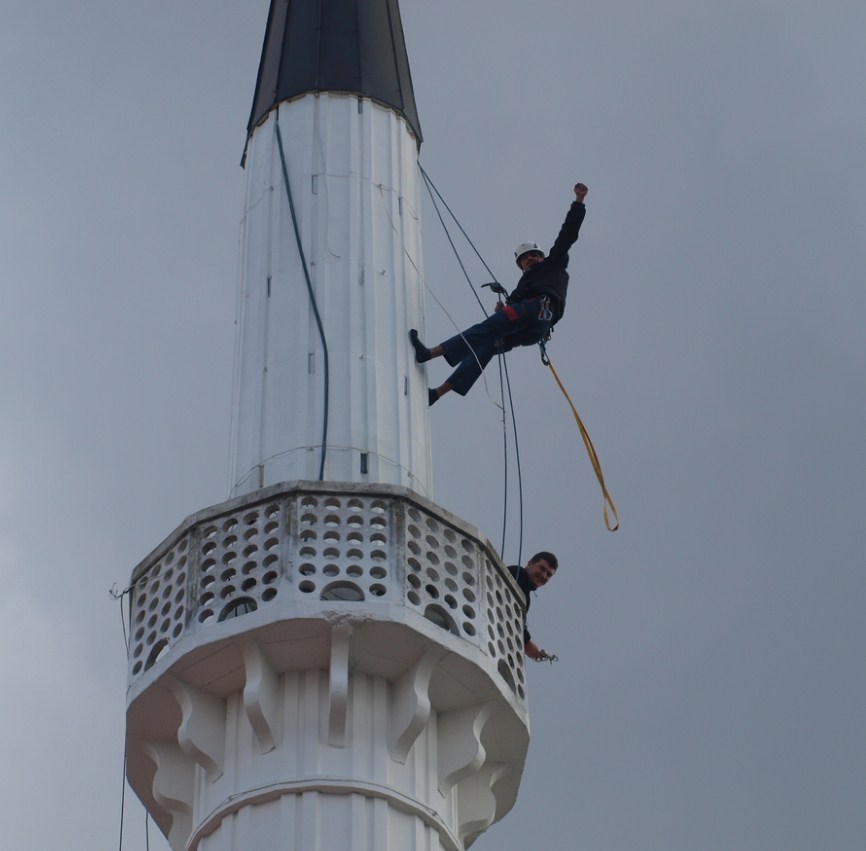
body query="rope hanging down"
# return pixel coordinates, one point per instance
(312, 294)
(434, 193)
(587, 442)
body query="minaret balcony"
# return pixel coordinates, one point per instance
(289, 562)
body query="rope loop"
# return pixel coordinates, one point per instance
(609, 507)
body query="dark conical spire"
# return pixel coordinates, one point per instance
(352, 46)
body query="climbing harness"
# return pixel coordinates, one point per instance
(587, 442)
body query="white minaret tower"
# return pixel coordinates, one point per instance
(328, 660)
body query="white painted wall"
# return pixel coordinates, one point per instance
(353, 172)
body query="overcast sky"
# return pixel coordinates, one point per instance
(710, 691)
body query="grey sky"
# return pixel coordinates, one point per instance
(710, 692)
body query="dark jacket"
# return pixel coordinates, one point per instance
(549, 277)
(522, 577)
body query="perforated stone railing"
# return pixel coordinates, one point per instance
(326, 545)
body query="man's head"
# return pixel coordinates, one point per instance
(541, 567)
(527, 254)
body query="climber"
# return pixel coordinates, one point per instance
(535, 305)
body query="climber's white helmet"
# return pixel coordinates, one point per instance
(525, 248)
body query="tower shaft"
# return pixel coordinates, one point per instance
(330, 285)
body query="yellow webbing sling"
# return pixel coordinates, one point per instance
(590, 449)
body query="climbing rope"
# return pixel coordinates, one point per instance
(504, 381)
(311, 292)
(587, 442)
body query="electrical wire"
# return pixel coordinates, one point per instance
(311, 292)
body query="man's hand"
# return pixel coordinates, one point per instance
(532, 650)
(580, 190)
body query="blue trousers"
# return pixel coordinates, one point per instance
(520, 324)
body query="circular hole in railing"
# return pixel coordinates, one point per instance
(331, 570)
(414, 598)
(230, 525)
(249, 584)
(379, 555)
(468, 628)
(271, 543)
(241, 606)
(251, 533)
(413, 547)
(227, 591)
(432, 591)
(450, 584)
(469, 612)
(270, 577)
(249, 567)
(353, 553)
(205, 615)
(269, 594)
(331, 552)
(452, 603)
(306, 586)
(250, 549)
(331, 535)
(251, 518)
(438, 615)
(229, 557)
(379, 538)
(414, 580)
(379, 572)
(307, 569)
(354, 570)
(178, 629)
(228, 574)
(230, 540)
(346, 592)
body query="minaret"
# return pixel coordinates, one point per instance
(328, 660)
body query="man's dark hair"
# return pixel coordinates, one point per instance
(550, 558)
